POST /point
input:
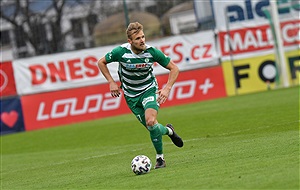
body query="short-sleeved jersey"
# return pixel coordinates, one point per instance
(135, 71)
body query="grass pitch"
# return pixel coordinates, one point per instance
(242, 142)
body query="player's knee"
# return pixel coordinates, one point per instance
(150, 117)
(150, 121)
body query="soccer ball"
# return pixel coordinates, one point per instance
(141, 164)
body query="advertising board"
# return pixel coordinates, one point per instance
(258, 73)
(94, 102)
(73, 70)
(7, 85)
(11, 115)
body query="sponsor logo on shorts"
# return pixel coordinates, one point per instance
(148, 99)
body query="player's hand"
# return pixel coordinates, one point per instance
(114, 89)
(163, 95)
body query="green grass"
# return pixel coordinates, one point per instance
(242, 142)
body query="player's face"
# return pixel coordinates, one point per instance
(137, 42)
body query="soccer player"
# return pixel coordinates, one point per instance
(140, 86)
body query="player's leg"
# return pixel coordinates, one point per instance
(156, 129)
(136, 108)
(156, 136)
(151, 107)
(153, 128)
(139, 110)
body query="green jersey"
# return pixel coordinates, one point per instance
(135, 71)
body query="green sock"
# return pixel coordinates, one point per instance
(163, 129)
(156, 138)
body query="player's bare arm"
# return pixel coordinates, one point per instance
(164, 93)
(113, 86)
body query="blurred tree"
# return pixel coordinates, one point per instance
(39, 23)
(28, 22)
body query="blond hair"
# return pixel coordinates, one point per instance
(133, 28)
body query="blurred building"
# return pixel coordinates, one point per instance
(180, 19)
(111, 30)
(79, 18)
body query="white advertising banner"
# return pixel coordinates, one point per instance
(249, 13)
(79, 68)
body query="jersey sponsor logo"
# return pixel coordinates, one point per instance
(138, 66)
(130, 66)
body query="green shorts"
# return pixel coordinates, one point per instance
(139, 104)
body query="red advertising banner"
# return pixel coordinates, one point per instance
(248, 40)
(7, 85)
(195, 85)
(70, 106)
(94, 102)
